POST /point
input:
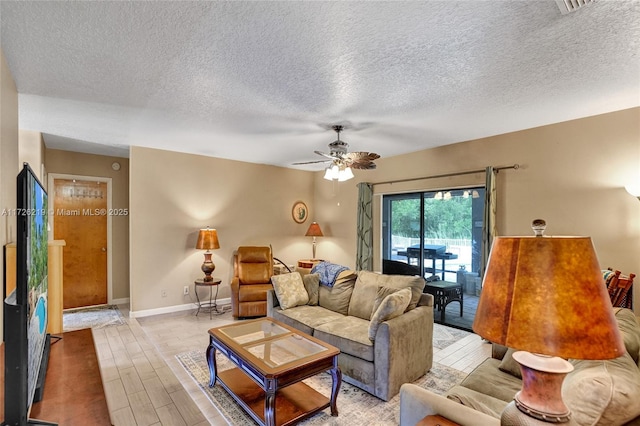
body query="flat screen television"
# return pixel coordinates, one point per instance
(25, 309)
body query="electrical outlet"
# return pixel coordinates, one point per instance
(163, 293)
(185, 290)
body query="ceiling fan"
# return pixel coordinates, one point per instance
(342, 160)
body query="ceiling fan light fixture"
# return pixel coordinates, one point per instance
(338, 172)
(345, 174)
(328, 173)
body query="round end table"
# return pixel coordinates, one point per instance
(212, 306)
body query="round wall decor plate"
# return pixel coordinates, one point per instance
(299, 212)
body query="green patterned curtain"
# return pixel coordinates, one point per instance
(364, 244)
(489, 222)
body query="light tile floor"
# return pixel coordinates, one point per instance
(145, 384)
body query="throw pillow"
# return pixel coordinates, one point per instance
(312, 284)
(382, 293)
(510, 365)
(603, 392)
(392, 306)
(290, 290)
(337, 298)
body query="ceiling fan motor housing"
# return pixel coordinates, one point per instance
(338, 148)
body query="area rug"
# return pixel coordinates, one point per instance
(104, 316)
(356, 407)
(445, 336)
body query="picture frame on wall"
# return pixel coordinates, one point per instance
(299, 212)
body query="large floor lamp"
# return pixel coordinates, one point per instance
(546, 298)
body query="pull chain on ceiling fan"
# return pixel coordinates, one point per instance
(343, 161)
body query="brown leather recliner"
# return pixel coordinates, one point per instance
(253, 268)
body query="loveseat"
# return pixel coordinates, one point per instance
(378, 352)
(597, 392)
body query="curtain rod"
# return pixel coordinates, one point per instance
(470, 172)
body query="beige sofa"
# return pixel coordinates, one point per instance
(402, 349)
(597, 392)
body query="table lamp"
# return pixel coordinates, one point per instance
(314, 231)
(545, 297)
(208, 240)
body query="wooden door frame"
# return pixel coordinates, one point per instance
(107, 180)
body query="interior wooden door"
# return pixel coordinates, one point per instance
(80, 218)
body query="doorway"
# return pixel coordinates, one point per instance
(80, 217)
(437, 234)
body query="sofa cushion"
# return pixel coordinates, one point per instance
(630, 330)
(349, 334)
(366, 290)
(290, 290)
(478, 401)
(253, 292)
(305, 318)
(393, 305)
(488, 379)
(311, 284)
(337, 298)
(510, 365)
(603, 392)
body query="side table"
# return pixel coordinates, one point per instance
(436, 420)
(212, 306)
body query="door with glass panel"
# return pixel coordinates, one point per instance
(438, 235)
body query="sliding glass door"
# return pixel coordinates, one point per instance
(438, 235)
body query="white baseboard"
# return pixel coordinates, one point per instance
(175, 308)
(123, 301)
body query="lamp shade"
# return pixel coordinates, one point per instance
(314, 230)
(208, 239)
(546, 295)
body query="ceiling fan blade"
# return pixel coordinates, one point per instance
(325, 155)
(361, 156)
(364, 165)
(310, 162)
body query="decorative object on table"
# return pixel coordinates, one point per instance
(212, 306)
(545, 297)
(314, 231)
(299, 212)
(208, 240)
(343, 161)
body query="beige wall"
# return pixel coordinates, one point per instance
(8, 158)
(31, 150)
(173, 195)
(572, 174)
(75, 163)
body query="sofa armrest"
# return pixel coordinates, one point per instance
(403, 350)
(426, 299)
(235, 296)
(272, 302)
(417, 402)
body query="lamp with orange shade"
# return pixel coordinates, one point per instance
(208, 240)
(314, 231)
(546, 298)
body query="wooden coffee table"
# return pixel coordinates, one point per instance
(272, 359)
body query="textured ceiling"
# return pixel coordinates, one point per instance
(256, 81)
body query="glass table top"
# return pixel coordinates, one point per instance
(271, 343)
